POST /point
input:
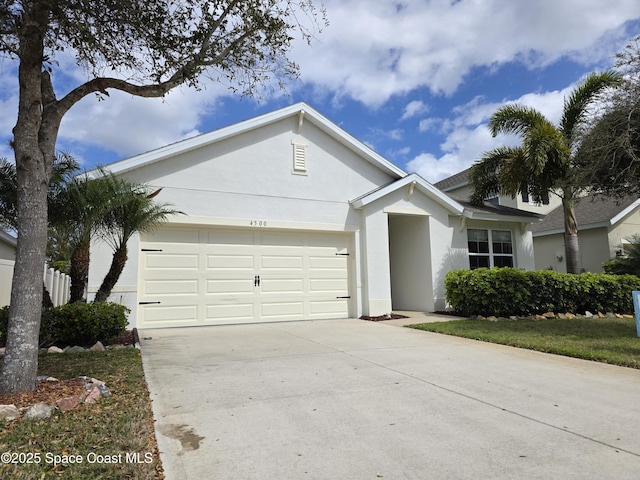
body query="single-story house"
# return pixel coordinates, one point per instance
(605, 226)
(288, 217)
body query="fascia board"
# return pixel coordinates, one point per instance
(625, 212)
(423, 185)
(581, 228)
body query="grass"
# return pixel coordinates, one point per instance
(111, 428)
(607, 340)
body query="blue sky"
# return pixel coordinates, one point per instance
(416, 80)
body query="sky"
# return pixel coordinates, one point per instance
(415, 80)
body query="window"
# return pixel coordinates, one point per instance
(493, 199)
(489, 248)
(527, 199)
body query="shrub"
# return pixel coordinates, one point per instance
(76, 324)
(510, 291)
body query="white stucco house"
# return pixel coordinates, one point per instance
(288, 217)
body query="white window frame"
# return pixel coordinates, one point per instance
(491, 254)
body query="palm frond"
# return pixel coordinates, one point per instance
(485, 176)
(516, 119)
(576, 106)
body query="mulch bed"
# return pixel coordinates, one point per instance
(46, 392)
(382, 318)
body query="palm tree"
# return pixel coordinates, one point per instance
(63, 168)
(544, 163)
(80, 208)
(137, 212)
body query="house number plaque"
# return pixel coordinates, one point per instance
(258, 223)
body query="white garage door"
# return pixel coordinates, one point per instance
(203, 276)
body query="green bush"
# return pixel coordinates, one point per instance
(76, 324)
(510, 291)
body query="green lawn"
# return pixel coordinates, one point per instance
(108, 430)
(608, 340)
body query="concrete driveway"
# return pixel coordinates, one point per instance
(349, 399)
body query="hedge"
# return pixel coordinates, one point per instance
(77, 323)
(511, 291)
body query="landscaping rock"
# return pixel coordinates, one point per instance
(39, 410)
(492, 319)
(601, 315)
(44, 378)
(562, 316)
(610, 315)
(513, 317)
(570, 316)
(93, 396)
(75, 349)
(618, 315)
(104, 391)
(588, 314)
(54, 349)
(9, 412)
(626, 315)
(68, 403)
(549, 315)
(2, 350)
(540, 317)
(98, 347)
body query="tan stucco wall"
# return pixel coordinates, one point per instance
(594, 250)
(624, 229)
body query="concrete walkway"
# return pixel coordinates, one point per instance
(350, 399)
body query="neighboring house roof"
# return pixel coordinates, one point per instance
(592, 211)
(490, 211)
(458, 180)
(301, 110)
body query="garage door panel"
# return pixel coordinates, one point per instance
(230, 286)
(328, 263)
(231, 262)
(162, 261)
(230, 313)
(171, 287)
(282, 309)
(288, 240)
(185, 314)
(236, 276)
(281, 285)
(281, 263)
(324, 308)
(224, 237)
(175, 235)
(335, 285)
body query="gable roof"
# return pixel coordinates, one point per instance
(592, 211)
(458, 180)
(301, 110)
(415, 180)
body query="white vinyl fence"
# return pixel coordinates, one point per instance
(56, 283)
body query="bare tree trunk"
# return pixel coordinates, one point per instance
(571, 245)
(111, 278)
(34, 149)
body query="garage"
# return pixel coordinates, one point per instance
(208, 276)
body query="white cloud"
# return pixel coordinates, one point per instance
(468, 136)
(374, 50)
(414, 108)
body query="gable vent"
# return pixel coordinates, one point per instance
(299, 158)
